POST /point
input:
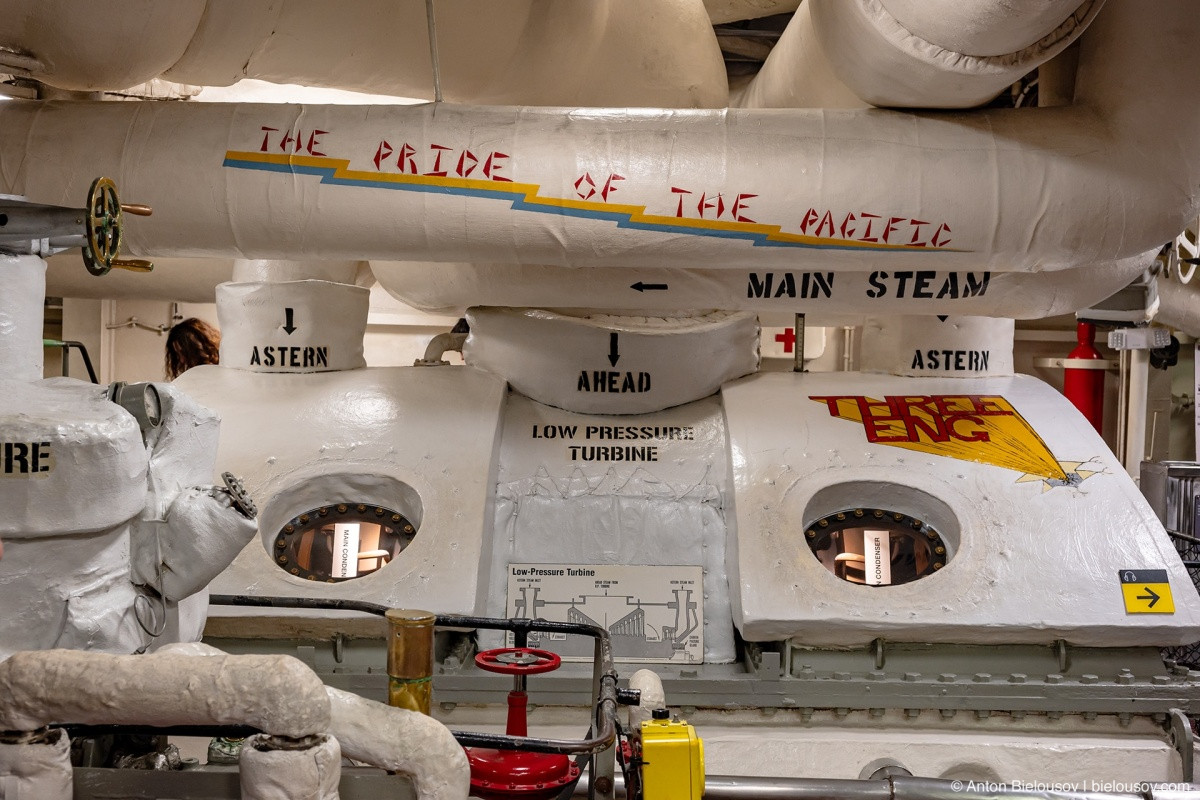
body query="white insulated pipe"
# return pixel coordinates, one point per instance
(22, 304)
(246, 270)
(401, 741)
(267, 772)
(653, 696)
(797, 73)
(390, 738)
(1016, 190)
(984, 27)
(539, 52)
(38, 769)
(941, 54)
(1135, 412)
(276, 694)
(1178, 306)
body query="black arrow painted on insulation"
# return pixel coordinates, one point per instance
(1149, 595)
(649, 287)
(613, 355)
(287, 325)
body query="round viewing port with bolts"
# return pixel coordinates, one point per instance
(341, 541)
(876, 546)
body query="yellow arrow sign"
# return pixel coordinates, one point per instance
(1146, 591)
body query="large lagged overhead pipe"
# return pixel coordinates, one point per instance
(1000, 190)
(518, 51)
(943, 54)
(911, 53)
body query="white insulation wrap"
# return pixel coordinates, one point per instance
(1038, 518)
(276, 694)
(69, 591)
(1178, 306)
(77, 44)
(183, 448)
(74, 461)
(256, 270)
(630, 491)
(205, 534)
(39, 770)
(311, 773)
(985, 27)
(953, 347)
(650, 686)
(454, 287)
(295, 326)
(601, 364)
(22, 301)
(797, 73)
(1024, 190)
(401, 741)
(662, 51)
(887, 64)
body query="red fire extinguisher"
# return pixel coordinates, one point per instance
(1083, 382)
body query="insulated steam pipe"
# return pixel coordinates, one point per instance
(278, 695)
(389, 738)
(515, 51)
(943, 54)
(401, 741)
(1021, 190)
(1178, 306)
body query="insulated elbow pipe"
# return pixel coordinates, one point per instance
(278, 695)
(900, 53)
(401, 741)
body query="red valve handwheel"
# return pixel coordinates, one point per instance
(517, 661)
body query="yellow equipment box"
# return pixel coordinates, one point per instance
(672, 759)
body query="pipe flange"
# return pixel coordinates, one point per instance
(238, 494)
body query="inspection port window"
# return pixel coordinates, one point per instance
(876, 546)
(342, 541)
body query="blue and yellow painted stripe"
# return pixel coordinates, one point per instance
(527, 197)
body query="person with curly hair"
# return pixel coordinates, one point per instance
(189, 344)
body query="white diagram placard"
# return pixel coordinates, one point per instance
(652, 613)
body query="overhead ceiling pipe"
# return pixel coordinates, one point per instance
(538, 52)
(984, 27)
(22, 304)
(1178, 306)
(942, 54)
(1001, 190)
(797, 73)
